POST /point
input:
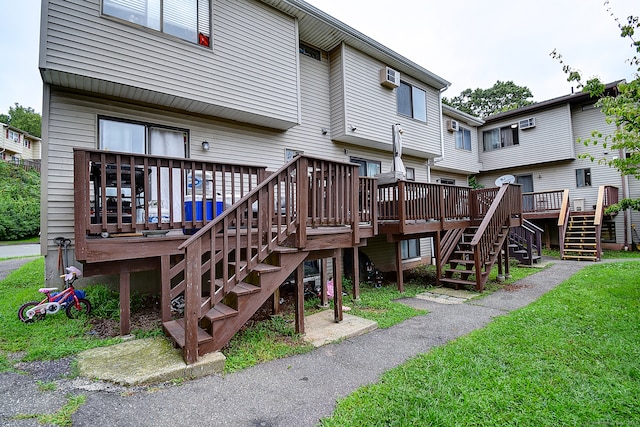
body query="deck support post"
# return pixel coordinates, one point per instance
(356, 274)
(299, 304)
(507, 272)
(324, 301)
(275, 306)
(125, 303)
(399, 276)
(165, 299)
(437, 249)
(337, 285)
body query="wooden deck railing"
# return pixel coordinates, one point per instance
(542, 201)
(261, 220)
(415, 201)
(161, 193)
(506, 204)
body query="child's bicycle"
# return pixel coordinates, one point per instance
(70, 299)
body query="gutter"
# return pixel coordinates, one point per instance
(349, 32)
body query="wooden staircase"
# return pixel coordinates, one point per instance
(525, 243)
(581, 238)
(472, 252)
(230, 267)
(463, 269)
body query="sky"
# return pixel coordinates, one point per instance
(472, 44)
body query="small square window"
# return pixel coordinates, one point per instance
(583, 177)
(411, 174)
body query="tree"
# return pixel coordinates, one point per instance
(502, 96)
(19, 202)
(621, 108)
(25, 119)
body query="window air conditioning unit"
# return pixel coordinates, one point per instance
(453, 126)
(527, 123)
(389, 78)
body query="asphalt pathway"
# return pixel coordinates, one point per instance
(296, 391)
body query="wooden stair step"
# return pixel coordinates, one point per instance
(175, 329)
(461, 261)
(243, 288)
(285, 250)
(266, 268)
(220, 311)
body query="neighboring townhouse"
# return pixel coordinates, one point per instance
(538, 145)
(19, 146)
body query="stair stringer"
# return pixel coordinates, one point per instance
(224, 329)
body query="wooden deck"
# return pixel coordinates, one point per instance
(215, 231)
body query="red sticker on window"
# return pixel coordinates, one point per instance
(203, 40)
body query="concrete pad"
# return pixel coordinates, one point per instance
(145, 361)
(447, 296)
(321, 329)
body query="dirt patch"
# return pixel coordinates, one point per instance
(146, 318)
(515, 287)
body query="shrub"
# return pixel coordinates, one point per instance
(19, 202)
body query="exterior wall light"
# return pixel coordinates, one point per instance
(205, 145)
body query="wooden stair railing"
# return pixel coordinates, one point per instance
(479, 246)
(525, 242)
(563, 220)
(232, 265)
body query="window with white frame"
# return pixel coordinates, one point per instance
(411, 174)
(410, 248)
(498, 138)
(185, 19)
(13, 136)
(367, 167)
(412, 101)
(463, 139)
(583, 177)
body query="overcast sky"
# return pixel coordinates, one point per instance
(470, 43)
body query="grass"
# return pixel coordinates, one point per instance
(571, 358)
(34, 239)
(62, 417)
(52, 338)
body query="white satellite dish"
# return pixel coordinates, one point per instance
(505, 179)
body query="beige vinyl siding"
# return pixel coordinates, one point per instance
(455, 159)
(584, 122)
(359, 100)
(548, 141)
(337, 94)
(252, 72)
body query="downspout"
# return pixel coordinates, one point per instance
(624, 179)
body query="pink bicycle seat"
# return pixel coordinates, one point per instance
(45, 290)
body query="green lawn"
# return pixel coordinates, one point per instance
(54, 337)
(571, 358)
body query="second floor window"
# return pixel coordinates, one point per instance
(463, 139)
(367, 167)
(412, 101)
(583, 177)
(498, 138)
(14, 136)
(186, 19)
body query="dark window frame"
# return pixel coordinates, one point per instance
(407, 103)
(410, 249)
(508, 136)
(583, 177)
(131, 13)
(364, 163)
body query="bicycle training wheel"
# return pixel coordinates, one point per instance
(22, 312)
(73, 312)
